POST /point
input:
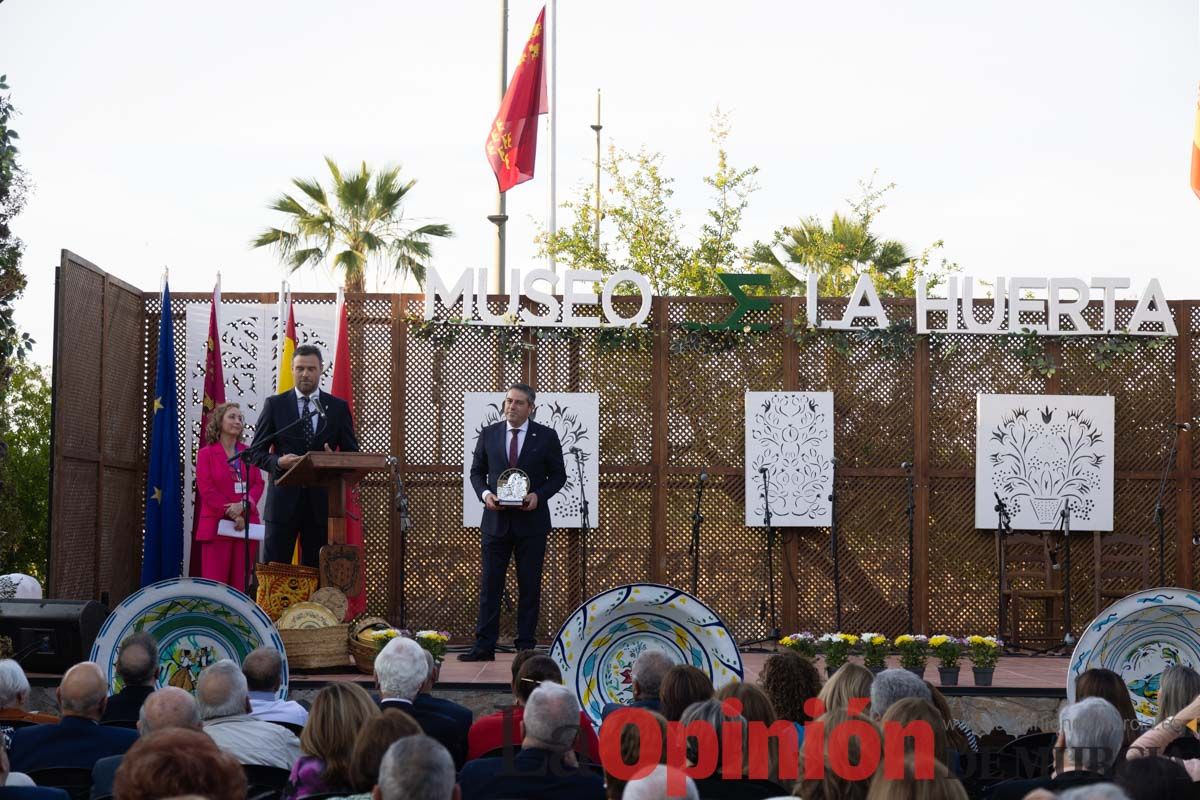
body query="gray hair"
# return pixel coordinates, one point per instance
(552, 716)
(169, 707)
(431, 662)
(416, 768)
(714, 717)
(649, 669)
(401, 668)
(896, 684)
(1095, 791)
(137, 659)
(1177, 687)
(221, 690)
(654, 786)
(1093, 733)
(14, 686)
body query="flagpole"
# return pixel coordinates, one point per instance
(553, 91)
(597, 128)
(496, 284)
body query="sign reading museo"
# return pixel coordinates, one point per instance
(1060, 300)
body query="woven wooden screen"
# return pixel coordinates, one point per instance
(671, 410)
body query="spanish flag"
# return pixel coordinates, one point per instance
(1196, 152)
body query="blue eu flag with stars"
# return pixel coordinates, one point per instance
(162, 551)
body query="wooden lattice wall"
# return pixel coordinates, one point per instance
(666, 414)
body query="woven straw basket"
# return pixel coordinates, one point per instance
(313, 648)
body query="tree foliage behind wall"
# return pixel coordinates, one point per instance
(25, 495)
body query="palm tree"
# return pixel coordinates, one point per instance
(361, 219)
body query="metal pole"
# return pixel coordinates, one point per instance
(553, 92)
(496, 284)
(597, 128)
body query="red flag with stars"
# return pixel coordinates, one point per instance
(512, 142)
(214, 395)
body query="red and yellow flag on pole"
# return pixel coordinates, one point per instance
(342, 386)
(1196, 152)
(285, 382)
(214, 395)
(512, 141)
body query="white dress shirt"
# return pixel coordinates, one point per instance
(312, 405)
(521, 431)
(253, 741)
(265, 706)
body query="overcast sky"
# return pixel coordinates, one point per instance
(1042, 138)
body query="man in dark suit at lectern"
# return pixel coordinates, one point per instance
(515, 442)
(294, 510)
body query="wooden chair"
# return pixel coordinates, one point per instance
(1122, 567)
(1029, 578)
(75, 781)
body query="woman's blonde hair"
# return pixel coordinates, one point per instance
(212, 430)
(851, 681)
(1178, 686)
(339, 712)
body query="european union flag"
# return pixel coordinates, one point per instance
(162, 550)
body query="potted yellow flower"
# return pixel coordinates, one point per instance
(803, 643)
(948, 650)
(984, 652)
(836, 648)
(914, 651)
(875, 650)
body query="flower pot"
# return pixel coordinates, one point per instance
(1045, 508)
(983, 675)
(948, 676)
(918, 671)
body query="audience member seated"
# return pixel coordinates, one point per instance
(790, 680)
(546, 766)
(756, 707)
(631, 749)
(339, 714)
(224, 704)
(893, 685)
(1177, 687)
(380, 733)
(1108, 685)
(647, 674)
(440, 705)
(914, 709)
(400, 672)
(960, 737)
(169, 707)
(18, 786)
(263, 669)
(654, 786)
(1157, 740)
(179, 761)
(718, 786)
(850, 682)
(503, 728)
(78, 740)
(417, 768)
(942, 787)
(14, 698)
(682, 686)
(137, 666)
(833, 786)
(1090, 737)
(1156, 778)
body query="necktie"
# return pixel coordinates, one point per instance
(306, 415)
(512, 449)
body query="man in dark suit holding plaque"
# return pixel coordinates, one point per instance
(514, 456)
(291, 424)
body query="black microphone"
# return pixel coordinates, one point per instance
(906, 465)
(703, 476)
(762, 470)
(1182, 426)
(317, 405)
(575, 451)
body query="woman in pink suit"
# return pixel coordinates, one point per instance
(222, 558)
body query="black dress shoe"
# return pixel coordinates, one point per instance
(477, 655)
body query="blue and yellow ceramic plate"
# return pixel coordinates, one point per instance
(597, 645)
(1138, 637)
(196, 621)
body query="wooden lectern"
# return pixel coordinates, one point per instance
(336, 472)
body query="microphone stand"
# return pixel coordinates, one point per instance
(911, 511)
(405, 525)
(697, 519)
(773, 634)
(1003, 527)
(1158, 506)
(1065, 519)
(584, 523)
(833, 544)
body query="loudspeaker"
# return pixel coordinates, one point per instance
(51, 635)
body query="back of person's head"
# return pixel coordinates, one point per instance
(631, 749)
(1097, 791)
(790, 680)
(833, 786)
(892, 685)
(169, 707)
(137, 659)
(849, 682)
(551, 719)
(83, 691)
(263, 669)
(401, 668)
(416, 768)
(519, 661)
(682, 686)
(912, 710)
(338, 715)
(1177, 687)
(534, 671)
(377, 736)
(14, 686)
(431, 668)
(648, 672)
(756, 706)
(654, 786)
(221, 690)
(712, 715)
(954, 737)
(1154, 777)
(910, 787)
(1092, 732)
(1107, 685)
(176, 762)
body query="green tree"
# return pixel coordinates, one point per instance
(25, 494)
(13, 189)
(641, 227)
(358, 224)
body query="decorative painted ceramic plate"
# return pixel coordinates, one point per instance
(597, 645)
(306, 616)
(334, 599)
(196, 621)
(1138, 637)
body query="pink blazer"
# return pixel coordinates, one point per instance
(214, 479)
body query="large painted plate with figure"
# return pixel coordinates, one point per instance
(196, 622)
(1138, 637)
(597, 645)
